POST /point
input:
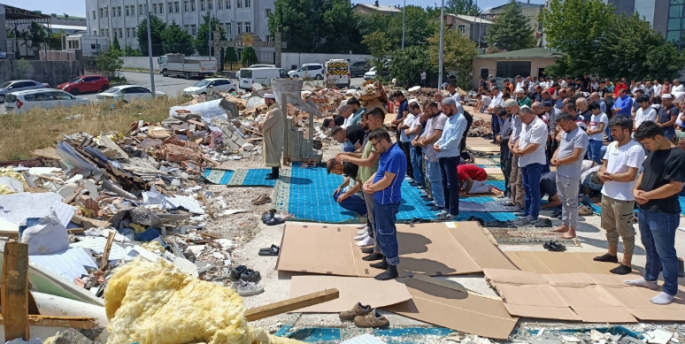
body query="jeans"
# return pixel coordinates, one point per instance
(353, 203)
(450, 184)
(595, 151)
(531, 175)
(406, 146)
(416, 162)
(567, 189)
(657, 232)
(384, 218)
(435, 178)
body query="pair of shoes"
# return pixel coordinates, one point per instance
(542, 223)
(446, 217)
(269, 218)
(389, 273)
(260, 196)
(363, 230)
(556, 212)
(362, 226)
(521, 222)
(373, 256)
(270, 251)
(554, 246)
(367, 250)
(499, 224)
(262, 199)
(270, 176)
(361, 236)
(520, 214)
(241, 272)
(245, 288)
(364, 316)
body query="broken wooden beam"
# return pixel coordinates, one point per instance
(15, 291)
(82, 323)
(291, 304)
(105, 254)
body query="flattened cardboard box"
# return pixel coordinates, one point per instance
(431, 249)
(367, 291)
(447, 304)
(545, 262)
(597, 298)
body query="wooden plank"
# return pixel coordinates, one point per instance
(60, 321)
(291, 304)
(105, 254)
(14, 234)
(15, 291)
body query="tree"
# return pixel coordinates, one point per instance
(299, 21)
(511, 30)
(109, 61)
(458, 54)
(468, 7)
(338, 30)
(36, 37)
(177, 40)
(379, 46)
(128, 51)
(230, 56)
(420, 24)
(55, 40)
(249, 57)
(407, 65)
(157, 27)
(115, 44)
(205, 32)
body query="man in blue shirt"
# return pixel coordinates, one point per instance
(623, 105)
(448, 154)
(386, 186)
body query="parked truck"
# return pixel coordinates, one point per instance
(187, 67)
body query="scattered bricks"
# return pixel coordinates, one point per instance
(174, 153)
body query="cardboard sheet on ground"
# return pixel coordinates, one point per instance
(591, 298)
(448, 304)
(545, 262)
(368, 291)
(431, 248)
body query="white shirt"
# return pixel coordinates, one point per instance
(595, 121)
(533, 133)
(679, 88)
(521, 85)
(594, 85)
(642, 115)
(409, 120)
(456, 97)
(496, 101)
(486, 100)
(619, 160)
(657, 90)
(348, 121)
(423, 75)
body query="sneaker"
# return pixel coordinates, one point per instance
(362, 226)
(522, 221)
(361, 236)
(357, 310)
(237, 272)
(247, 288)
(542, 223)
(446, 218)
(368, 241)
(251, 276)
(362, 231)
(373, 319)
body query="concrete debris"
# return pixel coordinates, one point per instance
(70, 336)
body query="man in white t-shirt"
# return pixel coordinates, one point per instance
(677, 87)
(530, 150)
(598, 122)
(619, 171)
(645, 113)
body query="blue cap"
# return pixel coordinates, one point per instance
(547, 103)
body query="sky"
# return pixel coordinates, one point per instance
(78, 7)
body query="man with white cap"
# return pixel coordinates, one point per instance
(273, 132)
(521, 98)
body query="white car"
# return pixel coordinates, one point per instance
(127, 93)
(47, 98)
(19, 85)
(308, 71)
(261, 65)
(217, 84)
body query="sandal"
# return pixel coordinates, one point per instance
(270, 251)
(555, 246)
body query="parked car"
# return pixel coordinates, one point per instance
(371, 74)
(358, 68)
(262, 76)
(85, 84)
(261, 65)
(217, 84)
(308, 71)
(127, 93)
(23, 101)
(19, 85)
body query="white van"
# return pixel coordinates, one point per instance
(249, 76)
(338, 72)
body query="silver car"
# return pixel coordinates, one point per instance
(19, 85)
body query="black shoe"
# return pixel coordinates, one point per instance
(520, 214)
(271, 177)
(606, 258)
(542, 223)
(498, 224)
(430, 204)
(390, 273)
(372, 257)
(681, 267)
(237, 272)
(413, 184)
(556, 213)
(436, 208)
(520, 222)
(621, 270)
(251, 276)
(383, 264)
(367, 250)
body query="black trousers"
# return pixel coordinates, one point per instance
(505, 165)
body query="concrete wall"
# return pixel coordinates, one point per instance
(51, 72)
(290, 59)
(491, 64)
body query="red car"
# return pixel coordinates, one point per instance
(85, 84)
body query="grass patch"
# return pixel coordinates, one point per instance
(40, 128)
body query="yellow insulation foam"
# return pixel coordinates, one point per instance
(155, 303)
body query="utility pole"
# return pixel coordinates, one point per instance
(149, 49)
(442, 39)
(404, 21)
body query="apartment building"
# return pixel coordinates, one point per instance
(108, 18)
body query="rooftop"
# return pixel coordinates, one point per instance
(522, 4)
(470, 19)
(532, 53)
(380, 8)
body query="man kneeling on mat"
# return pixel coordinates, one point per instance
(472, 179)
(348, 195)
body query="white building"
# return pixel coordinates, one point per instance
(107, 18)
(90, 45)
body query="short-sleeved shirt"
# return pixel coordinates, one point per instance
(643, 115)
(548, 185)
(407, 121)
(466, 171)
(404, 106)
(365, 173)
(660, 168)
(595, 121)
(665, 116)
(533, 133)
(392, 161)
(569, 142)
(434, 123)
(619, 160)
(355, 134)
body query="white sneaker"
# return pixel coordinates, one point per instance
(361, 232)
(361, 227)
(362, 236)
(368, 241)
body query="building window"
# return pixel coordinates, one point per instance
(128, 32)
(133, 32)
(95, 32)
(202, 5)
(194, 29)
(185, 6)
(119, 11)
(247, 3)
(187, 27)
(228, 4)
(154, 8)
(101, 13)
(192, 5)
(93, 14)
(509, 69)
(240, 26)
(106, 12)
(239, 4)
(121, 33)
(210, 4)
(140, 10)
(176, 6)
(268, 12)
(461, 28)
(220, 5)
(161, 8)
(133, 10)
(227, 27)
(248, 27)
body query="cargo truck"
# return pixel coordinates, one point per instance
(187, 67)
